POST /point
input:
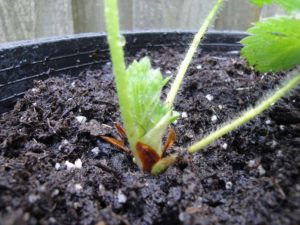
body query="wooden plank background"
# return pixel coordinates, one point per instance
(29, 19)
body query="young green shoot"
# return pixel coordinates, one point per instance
(139, 88)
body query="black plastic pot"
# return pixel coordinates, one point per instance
(25, 61)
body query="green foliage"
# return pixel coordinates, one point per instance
(288, 5)
(139, 88)
(273, 44)
(260, 3)
(144, 87)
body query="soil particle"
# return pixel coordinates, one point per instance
(250, 176)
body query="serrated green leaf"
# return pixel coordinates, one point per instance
(273, 44)
(288, 5)
(144, 87)
(260, 3)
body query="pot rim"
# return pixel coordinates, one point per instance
(43, 40)
(22, 62)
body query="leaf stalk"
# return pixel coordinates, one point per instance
(290, 83)
(190, 53)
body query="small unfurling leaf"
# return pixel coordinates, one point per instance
(148, 116)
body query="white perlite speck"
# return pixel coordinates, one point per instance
(95, 151)
(69, 165)
(274, 144)
(33, 198)
(268, 122)
(101, 187)
(78, 187)
(81, 119)
(121, 197)
(78, 164)
(57, 166)
(184, 115)
(279, 153)
(52, 220)
(261, 170)
(168, 72)
(224, 145)
(35, 90)
(182, 216)
(63, 143)
(199, 67)
(251, 163)
(228, 185)
(55, 193)
(281, 127)
(209, 97)
(214, 118)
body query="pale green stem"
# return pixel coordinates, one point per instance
(289, 84)
(163, 164)
(189, 56)
(116, 42)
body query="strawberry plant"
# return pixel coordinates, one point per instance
(273, 45)
(145, 117)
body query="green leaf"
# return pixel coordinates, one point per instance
(150, 116)
(273, 44)
(260, 3)
(288, 5)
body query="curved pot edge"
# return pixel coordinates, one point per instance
(43, 40)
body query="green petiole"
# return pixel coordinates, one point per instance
(287, 86)
(116, 43)
(189, 56)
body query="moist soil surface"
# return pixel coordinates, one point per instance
(251, 176)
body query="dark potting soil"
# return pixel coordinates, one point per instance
(251, 176)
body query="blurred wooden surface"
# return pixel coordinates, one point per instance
(88, 15)
(170, 14)
(237, 15)
(29, 19)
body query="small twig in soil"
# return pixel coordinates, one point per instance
(279, 188)
(117, 143)
(109, 170)
(50, 126)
